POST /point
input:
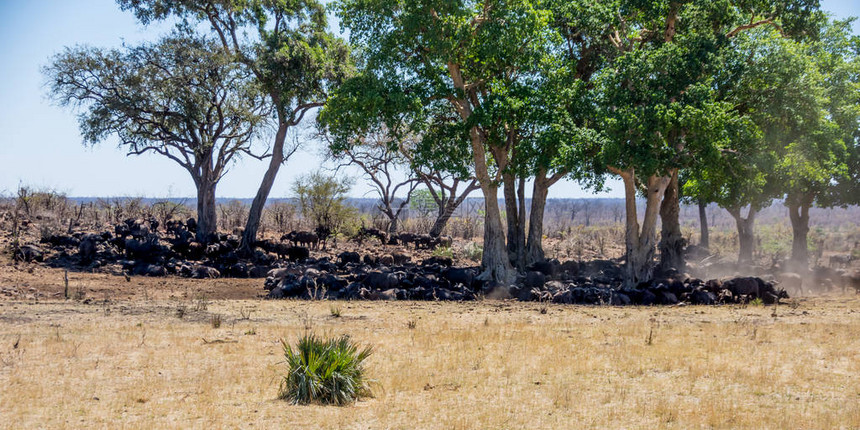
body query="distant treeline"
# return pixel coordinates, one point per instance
(576, 211)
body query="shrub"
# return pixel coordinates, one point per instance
(443, 251)
(165, 210)
(327, 371)
(233, 215)
(282, 216)
(216, 321)
(473, 251)
(322, 200)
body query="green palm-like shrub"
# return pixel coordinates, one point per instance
(327, 371)
(443, 251)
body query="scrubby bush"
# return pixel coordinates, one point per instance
(326, 371)
(443, 251)
(473, 251)
(322, 200)
(165, 210)
(233, 214)
(116, 209)
(281, 216)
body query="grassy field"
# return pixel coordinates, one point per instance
(163, 363)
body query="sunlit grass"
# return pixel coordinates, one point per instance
(488, 364)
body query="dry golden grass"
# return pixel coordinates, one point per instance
(161, 364)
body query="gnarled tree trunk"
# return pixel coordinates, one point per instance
(255, 214)
(445, 213)
(393, 215)
(207, 218)
(640, 243)
(515, 211)
(495, 264)
(447, 199)
(205, 180)
(534, 245)
(671, 241)
(393, 224)
(746, 234)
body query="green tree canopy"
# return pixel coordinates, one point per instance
(181, 97)
(284, 44)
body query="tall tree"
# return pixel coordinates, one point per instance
(658, 115)
(480, 58)
(182, 98)
(564, 136)
(661, 110)
(817, 168)
(288, 49)
(760, 77)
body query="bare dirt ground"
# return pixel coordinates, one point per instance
(37, 282)
(145, 353)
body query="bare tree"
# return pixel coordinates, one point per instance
(442, 175)
(386, 170)
(165, 210)
(445, 188)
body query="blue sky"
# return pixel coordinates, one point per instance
(40, 144)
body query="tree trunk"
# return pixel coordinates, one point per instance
(392, 223)
(521, 226)
(640, 243)
(798, 213)
(495, 263)
(672, 241)
(448, 203)
(534, 246)
(207, 217)
(746, 236)
(443, 217)
(705, 240)
(496, 268)
(255, 214)
(515, 220)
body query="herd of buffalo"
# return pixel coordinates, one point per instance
(141, 249)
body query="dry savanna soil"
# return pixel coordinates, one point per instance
(180, 353)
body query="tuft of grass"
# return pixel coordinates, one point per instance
(411, 324)
(325, 371)
(443, 251)
(201, 304)
(473, 251)
(335, 311)
(216, 321)
(756, 302)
